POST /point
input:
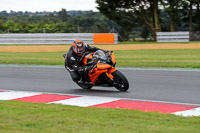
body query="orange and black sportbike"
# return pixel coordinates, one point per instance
(104, 72)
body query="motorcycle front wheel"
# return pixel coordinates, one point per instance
(120, 81)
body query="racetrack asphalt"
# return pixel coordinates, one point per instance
(182, 86)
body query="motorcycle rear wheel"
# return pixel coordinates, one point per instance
(120, 81)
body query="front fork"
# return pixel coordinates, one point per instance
(110, 80)
(110, 71)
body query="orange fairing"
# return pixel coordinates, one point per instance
(101, 66)
(95, 75)
(113, 58)
(89, 56)
(110, 71)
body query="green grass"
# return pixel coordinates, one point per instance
(21, 117)
(37, 58)
(180, 58)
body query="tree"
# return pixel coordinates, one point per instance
(63, 15)
(171, 11)
(115, 11)
(145, 33)
(197, 15)
(173, 8)
(132, 13)
(190, 14)
(192, 5)
(156, 15)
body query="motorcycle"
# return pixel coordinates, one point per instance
(103, 72)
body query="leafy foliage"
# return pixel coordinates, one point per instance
(54, 22)
(147, 13)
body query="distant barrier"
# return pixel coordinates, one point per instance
(172, 36)
(58, 38)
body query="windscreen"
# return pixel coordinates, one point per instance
(100, 55)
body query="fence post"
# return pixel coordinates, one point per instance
(44, 30)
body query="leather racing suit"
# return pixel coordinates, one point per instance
(74, 64)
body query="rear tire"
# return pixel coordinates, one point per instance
(120, 81)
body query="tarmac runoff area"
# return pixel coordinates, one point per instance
(101, 102)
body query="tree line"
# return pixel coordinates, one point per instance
(152, 15)
(54, 22)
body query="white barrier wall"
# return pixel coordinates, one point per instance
(172, 36)
(50, 38)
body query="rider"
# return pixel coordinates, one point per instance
(73, 61)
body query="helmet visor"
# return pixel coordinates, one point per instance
(80, 50)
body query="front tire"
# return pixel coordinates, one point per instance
(120, 81)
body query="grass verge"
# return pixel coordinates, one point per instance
(43, 118)
(180, 58)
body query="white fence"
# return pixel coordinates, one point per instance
(48, 38)
(172, 36)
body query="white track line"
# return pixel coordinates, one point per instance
(109, 97)
(86, 101)
(16, 94)
(192, 112)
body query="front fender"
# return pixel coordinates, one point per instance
(110, 71)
